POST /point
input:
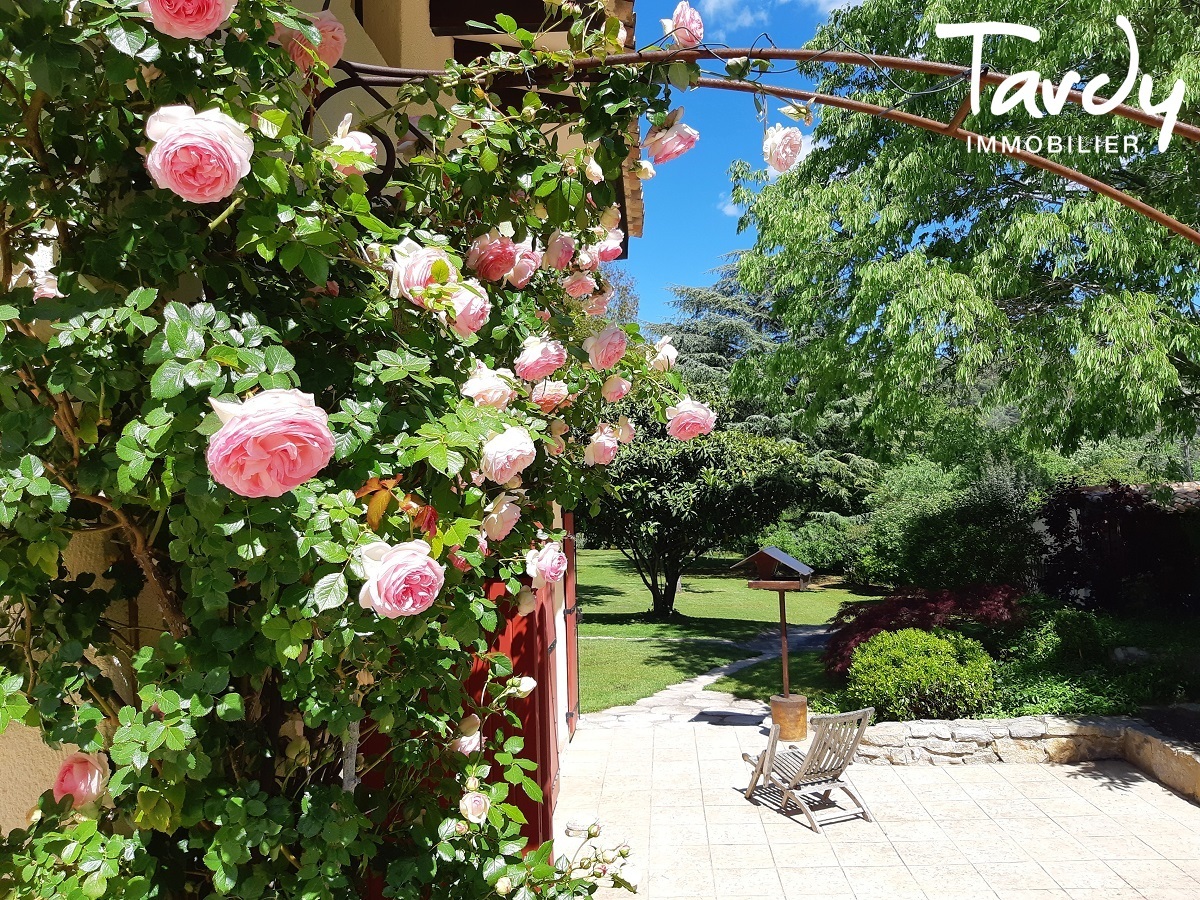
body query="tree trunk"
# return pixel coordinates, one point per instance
(664, 596)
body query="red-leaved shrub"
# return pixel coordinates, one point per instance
(989, 605)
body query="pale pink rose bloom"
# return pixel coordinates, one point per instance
(489, 387)
(610, 218)
(587, 260)
(666, 144)
(546, 564)
(412, 267)
(664, 356)
(471, 307)
(329, 51)
(689, 419)
(46, 287)
(199, 156)
(607, 348)
(782, 147)
(492, 255)
(524, 686)
(484, 549)
(644, 170)
(685, 26)
(603, 448)
(611, 247)
(540, 358)
(543, 315)
(82, 775)
(507, 455)
(474, 807)
(501, 518)
(527, 262)
(355, 142)
(470, 738)
(193, 19)
(592, 170)
(597, 304)
(625, 430)
(269, 444)
(615, 388)
(549, 395)
(560, 250)
(401, 581)
(579, 285)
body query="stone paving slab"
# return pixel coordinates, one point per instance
(672, 789)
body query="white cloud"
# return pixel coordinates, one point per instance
(728, 208)
(724, 16)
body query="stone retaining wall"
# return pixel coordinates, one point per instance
(1034, 739)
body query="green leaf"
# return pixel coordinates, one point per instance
(127, 37)
(330, 592)
(168, 380)
(230, 708)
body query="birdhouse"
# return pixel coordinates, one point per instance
(776, 570)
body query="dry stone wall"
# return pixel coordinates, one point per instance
(1034, 739)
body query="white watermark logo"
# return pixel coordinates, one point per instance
(1023, 87)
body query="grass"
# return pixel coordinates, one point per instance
(713, 608)
(763, 680)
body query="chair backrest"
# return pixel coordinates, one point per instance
(772, 746)
(835, 739)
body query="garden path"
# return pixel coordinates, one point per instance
(688, 701)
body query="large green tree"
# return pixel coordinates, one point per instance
(908, 262)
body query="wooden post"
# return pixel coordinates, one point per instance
(783, 632)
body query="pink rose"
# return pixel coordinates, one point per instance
(471, 307)
(489, 388)
(347, 141)
(560, 250)
(671, 142)
(616, 388)
(507, 455)
(457, 560)
(607, 348)
(549, 395)
(597, 304)
(610, 219)
(415, 268)
(401, 580)
(83, 776)
(469, 739)
(592, 170)
(194, 19)
(492, 255)
(501, 518)
(199, 156)
(329, 51)
(474, 807)
(782, 147)
(46, 287)
(664, 356)
(685, 26)
(603, 448)
(690, 419)
(587, 260)
(611, 247)
(625, 430)
(540, 358)
(269, 444)
(547, 564)
(579, 285)
(527, 262)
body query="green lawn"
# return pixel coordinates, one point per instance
(762, 681)
(713, 604)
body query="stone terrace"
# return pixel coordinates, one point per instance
(1089, 831)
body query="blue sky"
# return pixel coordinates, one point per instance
(690, 223)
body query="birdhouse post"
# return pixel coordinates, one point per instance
(777, 571)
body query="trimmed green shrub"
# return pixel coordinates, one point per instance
(823, 542)
(913, 674)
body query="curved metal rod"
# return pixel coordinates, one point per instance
(839, 57)
(896, 115)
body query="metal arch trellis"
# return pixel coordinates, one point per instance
(372, 77)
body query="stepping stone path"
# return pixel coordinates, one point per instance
(688, 701)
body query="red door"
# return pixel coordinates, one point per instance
(571, 638)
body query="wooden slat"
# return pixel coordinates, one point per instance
(778, 585)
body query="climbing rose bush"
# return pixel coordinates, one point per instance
(285, 436)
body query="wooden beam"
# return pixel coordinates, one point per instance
(778, 585)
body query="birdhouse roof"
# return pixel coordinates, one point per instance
(778, 558)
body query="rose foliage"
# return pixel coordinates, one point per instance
(234, 360)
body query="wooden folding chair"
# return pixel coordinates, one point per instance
(797, 774)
